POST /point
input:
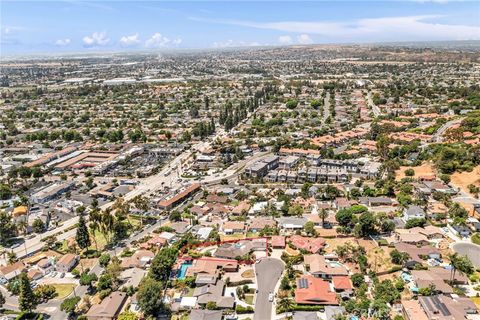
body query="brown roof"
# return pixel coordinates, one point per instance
(109, 308)
(19, 266)
(67, 259)
(278, 241)
(179, 196)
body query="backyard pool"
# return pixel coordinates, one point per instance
(335, 264)
(183, 270)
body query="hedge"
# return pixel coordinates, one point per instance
(240, 283)
(241, 310)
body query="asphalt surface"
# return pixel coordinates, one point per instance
(268, 272)
(376, 110)
(438, 136)
(469, 249)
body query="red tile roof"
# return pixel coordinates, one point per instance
(342, 283)
(317, 291)
(312, 245)
(278, 241)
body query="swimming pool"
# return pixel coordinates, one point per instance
(335, 264)
(406, 277)
(183, 270)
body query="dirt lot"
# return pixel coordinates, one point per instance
(425, 169)
(463, 179)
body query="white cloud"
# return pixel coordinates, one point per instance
(231, 43)
(376, 29)
(97, 39)
(130, 40)
(63, 42)
(304, 39)
(160, 41)
(285, 39)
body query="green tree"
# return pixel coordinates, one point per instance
(358, 279)
(291, 104)
(68, 305)
(344, 217)
(461, 264)
(127, 315)
(82, 237)
(38, 226)
(8, 228)
(150, 296)
(285, 304)
(367, 224)
(27, 301)
(104, 259)
(309, 228)
(45, 292)
(2, 300)
(399, 257)
(386, 291)
(211, 305)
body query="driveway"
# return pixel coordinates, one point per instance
(268, 272)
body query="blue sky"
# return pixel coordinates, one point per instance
(90, 26)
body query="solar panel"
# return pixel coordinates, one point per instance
(303, 283)
(440, 305)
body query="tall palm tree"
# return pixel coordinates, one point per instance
(93, 226)
(323, 214)
(286, 304)
(460, 263)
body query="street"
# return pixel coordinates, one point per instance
(376, 110)
(268, 272)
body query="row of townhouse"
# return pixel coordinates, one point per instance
(314, 174)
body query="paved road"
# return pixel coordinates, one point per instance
(438, 136)
(376, 110)
(268, 273)
(326, 107)
(469, 249)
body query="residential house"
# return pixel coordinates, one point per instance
(316, 291)
(342, 284)
(140, 259)
(412, 310)
(312, 245)
(199, 314)
(214, 293)
(109, 308)
(319, 267)
(257, 224)
(67, 262)
(413, 212)
(10, 271)
(230, 227)
(444, 307)
(418, 254)
(278, 242)
(292, 223)
(132, 277)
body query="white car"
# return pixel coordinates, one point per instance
(271, 297)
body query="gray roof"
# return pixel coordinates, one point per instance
(414, 210)
(197, 314)
(305, 315)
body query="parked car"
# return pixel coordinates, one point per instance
(271, 297)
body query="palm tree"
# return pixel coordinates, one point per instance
(323, 214)
(22, 225)
(460, 263)
(93, 226)
(285, 304)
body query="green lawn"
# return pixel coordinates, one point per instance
(476, 238)
(100, 239)
(63, 290)
(249, 299)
